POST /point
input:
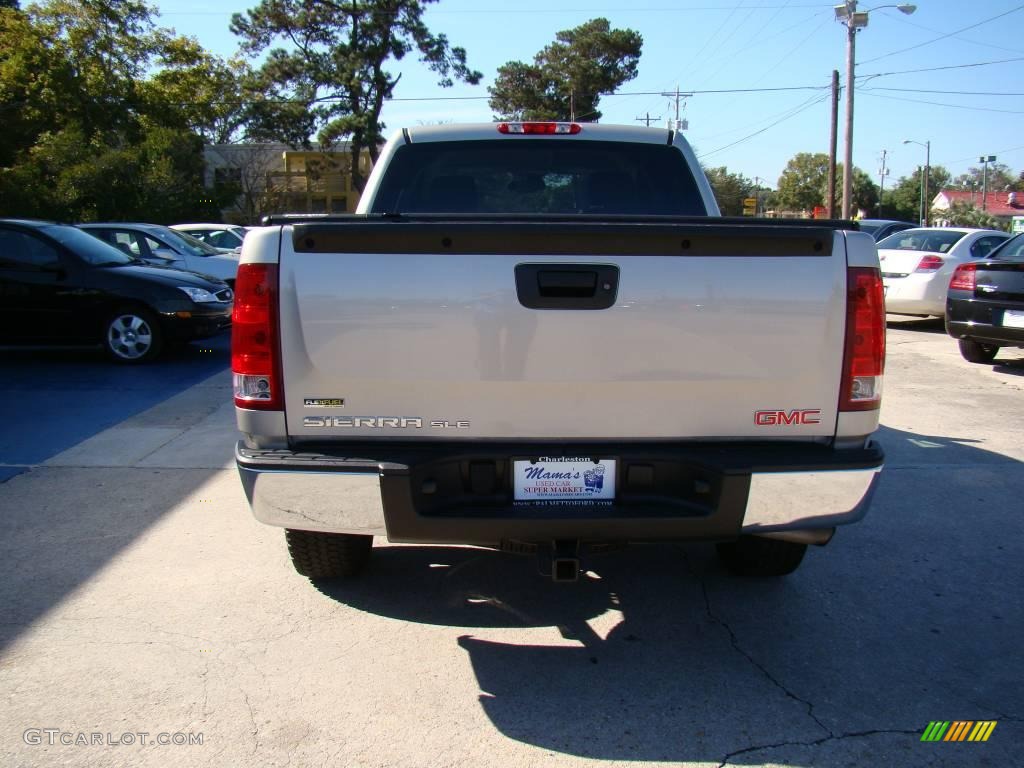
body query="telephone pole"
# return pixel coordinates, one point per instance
(680, 125)
(647, 119)
(882, 173)
(833, 140)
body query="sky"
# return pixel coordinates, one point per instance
(964, 111)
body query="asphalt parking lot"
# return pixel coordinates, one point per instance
(139, 596)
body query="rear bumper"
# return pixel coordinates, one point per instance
(982, 320)
(921, 293)
(685, 492)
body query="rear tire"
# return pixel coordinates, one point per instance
(328, 555)
(976, 352)
(756, 556)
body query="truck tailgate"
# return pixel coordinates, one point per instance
(425, 331)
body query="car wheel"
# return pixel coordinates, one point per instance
(757, 556)
(328, 555)
(976, 352)
(133, 336)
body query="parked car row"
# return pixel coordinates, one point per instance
(135, 289)
(918, 263)
(973, 278)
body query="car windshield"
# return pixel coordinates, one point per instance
(1011, 250)
(90, 249)
(869, 228)
(184, 242)
(922, 240)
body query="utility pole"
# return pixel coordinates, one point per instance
(882, 173)
(572, 106)
(833, 139)
(647, 119)
(680, 125)
(926, 203)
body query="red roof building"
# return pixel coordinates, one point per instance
(1003, 205)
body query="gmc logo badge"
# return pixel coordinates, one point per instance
(786, 418)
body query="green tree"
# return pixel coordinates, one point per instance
(568, 77)
(325, 69)
(200, 92)
(1000, 178)
(804, 184)
(730, 189)
(85, 135)
(903, 201)
(964, 214)
(9, 4)
(865, 191)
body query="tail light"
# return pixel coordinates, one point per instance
(540, 129)
(864, 350)
(255, 353)
(964, 278)
(929, 263)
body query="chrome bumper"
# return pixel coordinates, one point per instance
(303, 498)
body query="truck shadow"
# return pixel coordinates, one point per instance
(659, 654)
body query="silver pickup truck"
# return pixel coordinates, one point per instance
(542, 337)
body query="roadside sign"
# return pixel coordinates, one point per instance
(1017, 224)
(750, 206)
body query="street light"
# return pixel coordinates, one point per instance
(848, 15)
(925, 208)
(986, 159)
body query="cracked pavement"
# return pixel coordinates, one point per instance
(139, 595)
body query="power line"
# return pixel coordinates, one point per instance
(936, 69)
(951, 93)
(943, 37)
(492, 11)
(973, 157)
(793, 113)
(902, 19)
(941, 104)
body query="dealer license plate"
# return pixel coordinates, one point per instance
(1013, 319)
(561, 478)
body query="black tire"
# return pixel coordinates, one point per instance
(328, 555)
(132, 336)
(976, 352)
(757, 556)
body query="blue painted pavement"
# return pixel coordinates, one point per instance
(52, 400)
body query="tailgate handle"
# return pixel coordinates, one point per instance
(567, 286)
(565, 283)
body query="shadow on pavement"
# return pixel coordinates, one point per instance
(922, 324)
(52, 400)
(911, 615)
(61, 525)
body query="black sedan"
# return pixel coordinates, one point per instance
(62, 287)
(985, 304)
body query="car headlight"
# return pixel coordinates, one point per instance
(198, 295)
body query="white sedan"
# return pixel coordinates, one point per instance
(918, 263)
(226, 237)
